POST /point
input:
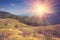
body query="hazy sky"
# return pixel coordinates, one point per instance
(13, 6)
(19, 6)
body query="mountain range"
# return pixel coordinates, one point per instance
(34, 21)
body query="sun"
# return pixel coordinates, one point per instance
(41, 9)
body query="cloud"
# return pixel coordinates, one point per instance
(12, 4)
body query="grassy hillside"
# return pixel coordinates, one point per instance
(10, 23)
(11, 29)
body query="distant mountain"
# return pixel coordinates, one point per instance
(24, 19)
(33, 20)
(7, 15)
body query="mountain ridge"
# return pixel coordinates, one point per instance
(32, 21)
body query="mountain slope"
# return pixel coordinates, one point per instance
(10, 23)
(12, 29)
(7, 15)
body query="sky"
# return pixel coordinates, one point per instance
(14, 6)
(19, 6)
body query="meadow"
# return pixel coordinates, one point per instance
(11, 29)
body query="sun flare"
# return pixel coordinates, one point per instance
(39, 7)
